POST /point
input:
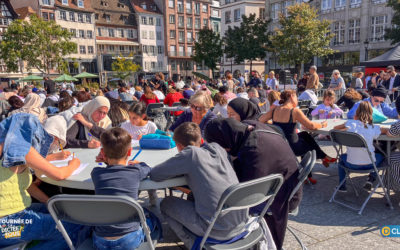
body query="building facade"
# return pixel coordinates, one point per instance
(7, 15)
(151, 36)
(231, 16)
(215, 16)
(183, 20)
(359, 28)
(78, 18)
(116, 32)
(43, 8)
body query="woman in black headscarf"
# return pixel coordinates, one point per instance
(241, 109)
(257, 154)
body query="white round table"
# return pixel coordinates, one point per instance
(151, 157)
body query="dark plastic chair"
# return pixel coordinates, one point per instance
(151, 109)
(98, 210)
(304, 103)
(305, 167)
(176, 104)
(349, 139)
(19, 246)
(244, 196)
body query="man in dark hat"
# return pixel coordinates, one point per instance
(377, 100)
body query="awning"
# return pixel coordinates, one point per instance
(113, 42)
(391, 57)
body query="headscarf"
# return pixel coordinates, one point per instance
(246, 109)
(92, 106)
(32, 106)
(57, 126)
(228, 133)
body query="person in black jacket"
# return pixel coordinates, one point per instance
(257, 154)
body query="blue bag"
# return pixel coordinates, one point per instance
(159, 140)
(377, 116)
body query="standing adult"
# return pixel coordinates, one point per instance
(294, 81)
(313, 80)
(255, 81)
(257, 154)
(337, 82)
(229, 82)
(394, 82)
(272, 83)
(49, 85)
(359, 81)
(241, 80)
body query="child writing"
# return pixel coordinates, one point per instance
(138, 125)
(328, 109)
(118, 179)
(357, 158)
(208, 173)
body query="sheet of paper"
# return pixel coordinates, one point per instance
(62, 163)
(76, 172)
(135, 143)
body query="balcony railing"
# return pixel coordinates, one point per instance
(181, 53)
(180, 9)
(171, 53)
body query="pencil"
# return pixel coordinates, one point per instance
(136, 155)
(73, 155)
(62, 149)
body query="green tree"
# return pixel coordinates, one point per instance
(124, 66)
(249, 41)
(43, 45)
(208, 49)
(393, 33)
(301, 36)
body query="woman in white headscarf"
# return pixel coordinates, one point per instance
(32, 106)
(89, 124)
(56, 126)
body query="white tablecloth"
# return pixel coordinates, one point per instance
(84, 181)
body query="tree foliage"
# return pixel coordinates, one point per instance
(43, 45)
(208, 49)
(393, 33)
(124, 66)
(249, 41)
(301, 36)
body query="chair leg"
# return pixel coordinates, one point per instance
(385, 190)
(353, 185)
(336, 190)
(303, 247)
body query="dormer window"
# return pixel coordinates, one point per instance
(144, 6)
(65, 2)
(80, 4)
(154, 7)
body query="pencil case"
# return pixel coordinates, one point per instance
(156, 141)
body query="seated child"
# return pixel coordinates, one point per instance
(328, 109)
(357, 158)
(208, 173)
(118, 179)
(138, 125)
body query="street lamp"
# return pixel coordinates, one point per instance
(366, 43)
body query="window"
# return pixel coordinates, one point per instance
(131, 48)
(96, 16)
(286, 4)
(73, 32)
(111, 48)
(160, 65)
(189, 7)
(72, 16)
(63, 15)
(189, 36)
(181, 36)
(261, 13)
(160, 49)
(46, 2)
(181, 21)
(81, 33)
(215, 13)
(64, 2)
(121, 33)
(151, 35)
(189, 51)
(144, 48)
(144, 6)
(228, 16)
(99, 31)
(275, 9)
(339, 31)
(205, 8)
(189, 23)
(354, 31)
(45, 16)
(89, 34)
(180, 7)
(355, 2)
(215, 26)
(326, 4)
(173, 65)
(197, 23)
(158, 35)
(152, 50)
(197, 8)
(378, 26)
(340, 3)
(151, 21)
(51, 15)
(80, 4)
(172, 34)
(101, 48)
(90, 50)
(130, 33)
(108, 18)
(80, 17)
(111, 32)
(144, 20)
(144, 34)
(172, 19)
(82, 49)
(88, 18)
(172, 50)
(153, 65)
(181, 50)
(121, 48)
(158, 21)
(205, 22)
(236, 15)
(196, 36)
(171, 3)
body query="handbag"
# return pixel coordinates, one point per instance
(377, 116)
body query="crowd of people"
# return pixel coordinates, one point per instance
(218, 136)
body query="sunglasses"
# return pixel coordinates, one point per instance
(376, 100)
(389, 71)
(197, 108)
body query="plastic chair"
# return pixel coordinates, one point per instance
(349, 139)
(176, 104)
(98, 210)
(305, 167)
(244, 196)
(19, 246)
(151, 112)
